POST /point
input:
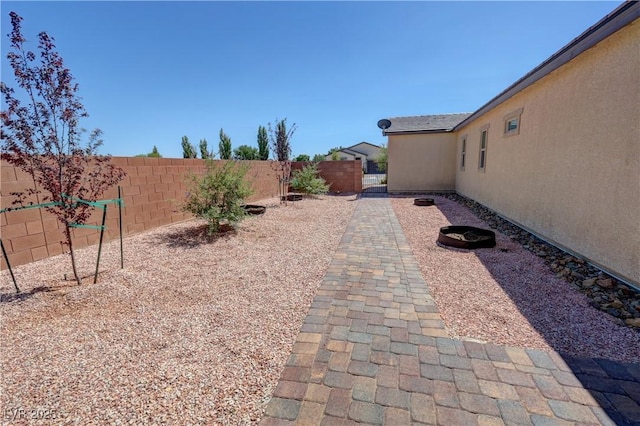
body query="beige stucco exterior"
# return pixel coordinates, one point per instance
(422, 162)
(572, 173)
(342, 156)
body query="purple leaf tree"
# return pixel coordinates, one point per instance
(43, 137)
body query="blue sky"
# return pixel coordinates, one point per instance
(152, 72)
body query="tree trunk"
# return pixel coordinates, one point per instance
(73, 258)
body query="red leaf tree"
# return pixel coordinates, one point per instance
(43, 137)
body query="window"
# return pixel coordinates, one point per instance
(482, 160)
(463, 153)
(512, 123)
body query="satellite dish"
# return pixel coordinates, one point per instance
(384, 124)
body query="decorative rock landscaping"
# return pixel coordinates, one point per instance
(606, 292)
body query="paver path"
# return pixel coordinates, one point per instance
(373, 350)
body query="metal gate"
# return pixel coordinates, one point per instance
(374, 183)
(372, 167)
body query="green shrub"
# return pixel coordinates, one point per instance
(308, 181)
(218, 195)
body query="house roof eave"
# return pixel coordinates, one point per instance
(415, 132)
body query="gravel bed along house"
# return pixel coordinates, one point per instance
(507, 295)
(187, 333)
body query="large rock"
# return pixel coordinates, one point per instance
(633, 322)
(605, 283)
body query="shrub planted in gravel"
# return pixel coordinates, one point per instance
(219, 195)
(308, 181)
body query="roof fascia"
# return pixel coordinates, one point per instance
(416, 132)
(363, 142)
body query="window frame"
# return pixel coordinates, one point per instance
(508, 118)
(482, 152)
(463, 152)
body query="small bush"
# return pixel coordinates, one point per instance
(308, 181)
(218, 195)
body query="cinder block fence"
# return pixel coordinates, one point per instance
(153, 192)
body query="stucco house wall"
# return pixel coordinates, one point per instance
(421, 162)
(342, 156)
(572, 174)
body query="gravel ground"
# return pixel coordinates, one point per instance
(197, 330)
(192, 331)
(506, 295)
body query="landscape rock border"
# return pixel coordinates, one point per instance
(605, 292)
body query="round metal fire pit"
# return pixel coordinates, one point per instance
(254, 209)
(466, 237)
(291, 197)
(424, 202)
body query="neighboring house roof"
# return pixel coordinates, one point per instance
(355, 152)
(622, 16)
(425, 123)
(352, 151)
(364, 143)
(348, 152)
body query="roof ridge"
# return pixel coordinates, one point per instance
(432, 115)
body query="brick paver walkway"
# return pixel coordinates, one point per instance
(373, 350)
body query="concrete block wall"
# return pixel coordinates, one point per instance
(343, 176)
(153, 191)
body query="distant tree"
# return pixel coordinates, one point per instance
(302, 157)
(381, 160)
(281, 139)
(43, 137)
(154, 153)
(204, 150)
(246, 152)
(318, 157)
(263, 143)
(334, 153)
(224, 146)
(188, 150)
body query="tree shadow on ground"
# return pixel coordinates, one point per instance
(615, 385)
(195, 236)
(24, 295)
